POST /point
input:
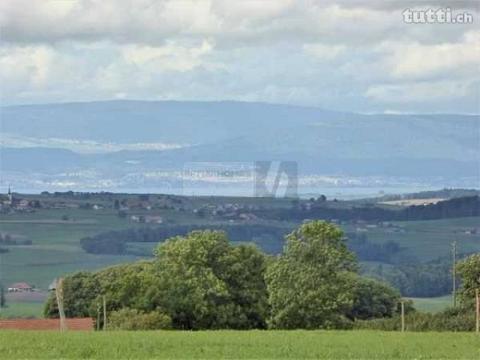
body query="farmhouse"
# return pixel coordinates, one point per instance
(20, 287)
(23, 204)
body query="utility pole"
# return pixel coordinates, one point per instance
(454, 273)
(402, 304)
(98, 316)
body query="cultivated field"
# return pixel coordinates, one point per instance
(56, 244)
(56, 247)
(433, 304)
(410, 202)
(429, 239)
(239, 345)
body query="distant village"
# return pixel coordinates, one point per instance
(145, 209)
(9, 203)
(133, 208)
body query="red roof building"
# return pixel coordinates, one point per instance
(21, 286)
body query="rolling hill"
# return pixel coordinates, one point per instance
(117, 139)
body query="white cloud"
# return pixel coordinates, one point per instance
(351, 55)
(324, 52)
(414, 60)
(35, 68)
(418, 92)
(169, 57)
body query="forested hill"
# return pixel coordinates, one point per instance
(117, 242)
(453, 208)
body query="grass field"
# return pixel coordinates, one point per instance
(430, 239)
(239, 345)
(56, 244)
(56, 247)
(432, 305)
(22, 310)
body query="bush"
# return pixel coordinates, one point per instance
(372, 299)
(132, 319)
(448, 320)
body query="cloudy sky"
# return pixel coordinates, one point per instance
(346, 55)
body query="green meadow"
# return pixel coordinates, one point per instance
(434, 304)
(56, 244)
(298, 344)
(22, 309)
(56, 247)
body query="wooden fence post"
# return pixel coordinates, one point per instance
(98, 316)
(402, 304)
(61, 311)
(104, 313)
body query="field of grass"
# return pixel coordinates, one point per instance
(432, 305)
(56, 247)
(430, 239)
(239, 345)
(22, 309)
(56, 244)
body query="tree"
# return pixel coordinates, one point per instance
(309, 285)
(79, 292)
(206, 283)
(130, 285)
(243, 270)
(469, 272)
(2, 296)
(372, 299)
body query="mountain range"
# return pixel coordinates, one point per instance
(44, 144)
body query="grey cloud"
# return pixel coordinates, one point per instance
(243, 50)
(230, 23)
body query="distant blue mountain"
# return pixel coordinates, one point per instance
(322, 142)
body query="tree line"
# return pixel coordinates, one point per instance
(269, 238)
(459, 318)
(202, 281)
(116, 242)
(428, 279)
(452, 208)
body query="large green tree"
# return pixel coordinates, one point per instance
(129, 285)
(469, 271)
(372, 299)
(206, 283)
(310, 284)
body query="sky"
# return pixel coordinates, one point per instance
(344, 55)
